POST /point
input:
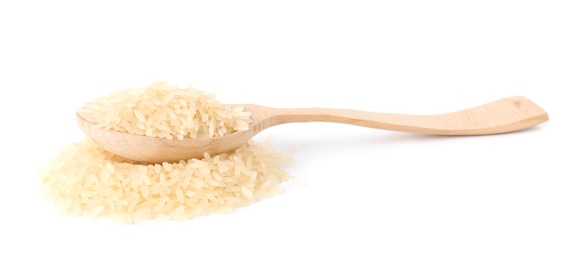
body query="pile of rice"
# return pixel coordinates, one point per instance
(84, 179)
(166, 111)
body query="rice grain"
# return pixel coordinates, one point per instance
(165, 111)
(86, 180)
(83, 178)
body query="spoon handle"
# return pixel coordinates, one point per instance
(501, 116)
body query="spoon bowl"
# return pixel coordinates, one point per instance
(501, 116)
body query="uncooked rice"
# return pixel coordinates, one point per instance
(167, 111)
(86, 180)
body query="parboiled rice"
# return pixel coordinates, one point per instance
(166, 111)
(86, 180)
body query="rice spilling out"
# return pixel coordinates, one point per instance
(84, 179)
(167, 111)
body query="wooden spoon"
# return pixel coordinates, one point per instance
(502, 116)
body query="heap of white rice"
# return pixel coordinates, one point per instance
(166, 111)
(87, 180)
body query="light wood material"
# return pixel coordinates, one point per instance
(502, 116)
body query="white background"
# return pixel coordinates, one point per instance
(368, 194)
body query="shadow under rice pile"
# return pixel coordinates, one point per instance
(84, 179)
